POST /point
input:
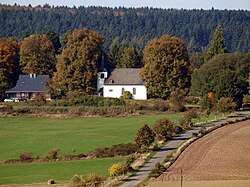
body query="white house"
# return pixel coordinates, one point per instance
(125, 79)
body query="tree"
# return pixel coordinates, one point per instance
(37, 55)
(54, 38)
(163, 129)
(217, 44)
(197, 59)
(225, 75)
(9, 63)
(166, 66)
(114, 53)
(77, 66)
(145, 136)
(130, 58)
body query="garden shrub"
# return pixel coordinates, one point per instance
(145, 136)
(164, 129)
(127, 95)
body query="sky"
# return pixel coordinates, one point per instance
(185, 4)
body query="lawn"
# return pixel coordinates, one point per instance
(59, 171)
(78, 135)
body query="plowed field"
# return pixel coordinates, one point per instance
(222, 155)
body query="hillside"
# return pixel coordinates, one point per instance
(137, 25)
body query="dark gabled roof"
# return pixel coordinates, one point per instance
(125, 76)
(26, 83)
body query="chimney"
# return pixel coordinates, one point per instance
(32, 75)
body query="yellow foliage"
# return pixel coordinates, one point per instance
(116, 170)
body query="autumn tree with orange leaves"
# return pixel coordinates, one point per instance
(166, 66)
(37, 55)
(77, 66)
(9, 63)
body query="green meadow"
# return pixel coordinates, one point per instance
(20, 135)
(59, 171)
(72, 136)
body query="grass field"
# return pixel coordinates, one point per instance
(59, 171)
(40, 135)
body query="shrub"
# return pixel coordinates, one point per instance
(186, 120)
(116, 170)
(192, 100)
(26, 157)
(161, 105)
(157, 171)
(145, 136)
(115, 150)
(6, 108)
(40, 98)
(176, 99)
(206, 103)
(246, 99)
(164, 129)
(127, 95)
(226, 104)
(53, 154)
(94, 180)
(77, 180)
(124, 149)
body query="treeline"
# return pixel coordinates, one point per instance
(131, 25)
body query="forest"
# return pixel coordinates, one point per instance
(130, 25)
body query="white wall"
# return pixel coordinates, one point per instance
(116, 91)
(100, 81)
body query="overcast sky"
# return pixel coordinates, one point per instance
(186, 4)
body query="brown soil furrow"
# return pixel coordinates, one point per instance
(221, 155)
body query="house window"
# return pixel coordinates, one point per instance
(134, 91)
(111, 81)
(123, 90)
(110, 90)
(102, 75)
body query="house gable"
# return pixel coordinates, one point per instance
(125, 79)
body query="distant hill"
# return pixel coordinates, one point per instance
(137, 25)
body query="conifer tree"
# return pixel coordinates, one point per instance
(217, 44)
